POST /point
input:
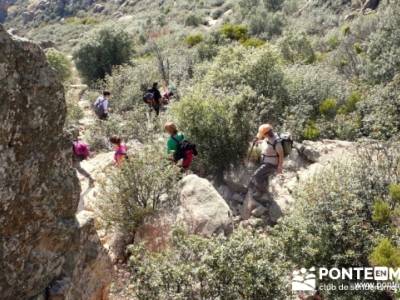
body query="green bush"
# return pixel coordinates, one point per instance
(235, 32)
(135, 190)
(60, 63)
(385, 254)
(311, 132)
(351, 103)
(328, 108)
(253, 42)
(101, 51)
(129, 82)
(193, 20)
(380, 111)
(239, 267)
(266, 25)
(219, 127)
(383, 55)
(194, 39)
(296, 48)
(254, 70)
(381, 212)
(307, 87)
(394, 192)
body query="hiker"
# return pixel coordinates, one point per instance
(101, 105)
(272, 156)
(175, 148)
(167, 96)
(121, 151)
(156, 98)
(80, 152)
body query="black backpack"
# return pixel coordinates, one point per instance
(287, 143)
(182, 148)
(148, 97)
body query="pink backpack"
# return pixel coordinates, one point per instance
(81, 150)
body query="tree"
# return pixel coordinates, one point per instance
(101, 51)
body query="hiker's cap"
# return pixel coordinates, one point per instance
(263, 131)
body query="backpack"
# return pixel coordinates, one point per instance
(182, 148)
(81, 150)
(148, 97)
(287, 143)
(99, 108)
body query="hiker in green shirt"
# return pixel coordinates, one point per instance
(173, 146)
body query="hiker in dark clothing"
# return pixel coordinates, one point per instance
(156, 101)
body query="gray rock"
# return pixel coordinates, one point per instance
(203, 211)
(41, 239)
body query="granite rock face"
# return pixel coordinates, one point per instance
(42, 242)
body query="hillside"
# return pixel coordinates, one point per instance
(243, 220)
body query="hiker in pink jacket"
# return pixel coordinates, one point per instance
(121, 151)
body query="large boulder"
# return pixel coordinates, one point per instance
(203, 211)
(42, 241)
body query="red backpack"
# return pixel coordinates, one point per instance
(81, 150)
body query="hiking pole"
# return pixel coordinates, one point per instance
(251, 151)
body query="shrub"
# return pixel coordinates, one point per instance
(266, 25)
(74, 114)
(253, 42)
(328, 108)
(381, 212)
(129, 126)
(385, 254)
(380, 111)
(60, 63)
(351, 103)
(255, 71)
(331, 224)
(101, 51)
(219, 127)
(135, 190)
(383, 55)
(234, 31)
(308, 86)
(311, 132)
(296, 48)
(394, 192)
(193, 20)
(216, 14)
(273, 5)
(194, 39)
(239, 267)
(129, 82)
